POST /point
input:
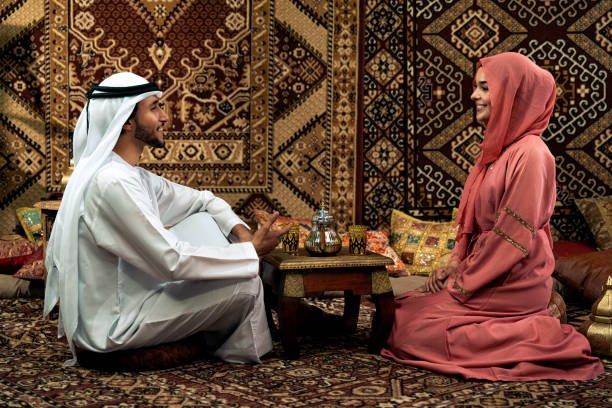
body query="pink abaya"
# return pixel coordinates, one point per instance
(491, 321)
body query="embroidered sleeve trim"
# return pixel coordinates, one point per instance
(510, 240)
(520, 221)
(461, 290)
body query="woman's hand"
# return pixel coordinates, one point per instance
(437, 279)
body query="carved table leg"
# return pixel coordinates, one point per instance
(287, 317)
(381, 325)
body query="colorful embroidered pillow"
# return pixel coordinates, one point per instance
(34, 267)
(14, 252)
(597, 212)
(378, 242)
(422, 245)
(31, 221)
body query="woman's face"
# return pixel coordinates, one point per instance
(481, 97)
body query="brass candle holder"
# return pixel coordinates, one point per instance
(598, 328)
(291, 240)
(358, 239)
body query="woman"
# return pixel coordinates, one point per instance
(485, 314)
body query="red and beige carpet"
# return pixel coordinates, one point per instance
(332, 372)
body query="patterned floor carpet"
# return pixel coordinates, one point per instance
(332, 372)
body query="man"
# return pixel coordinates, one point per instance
(136, 260)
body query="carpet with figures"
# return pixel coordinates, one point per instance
(331, 372)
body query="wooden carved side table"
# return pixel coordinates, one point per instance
(288, 278)
(49, 210)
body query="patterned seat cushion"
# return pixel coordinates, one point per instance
(157, 357)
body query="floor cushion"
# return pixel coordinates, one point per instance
(157, 357)
(585, 274)
(557, 307)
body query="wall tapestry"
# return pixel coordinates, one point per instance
(23, 116)
(420, 137)
(254, 88)
(289, 103)
(262, 95)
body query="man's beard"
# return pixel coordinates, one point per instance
(148, 138)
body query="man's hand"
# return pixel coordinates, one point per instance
(266, 238)
(437, 279)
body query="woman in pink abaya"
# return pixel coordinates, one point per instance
(485, 314)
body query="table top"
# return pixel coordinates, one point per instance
(343, 259)
(52, 205)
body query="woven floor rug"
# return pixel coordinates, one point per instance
(332, 372)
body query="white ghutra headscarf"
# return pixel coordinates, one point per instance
(110, 105)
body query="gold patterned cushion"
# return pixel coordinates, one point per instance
(31, 221)
(597, 212)
(422, 245)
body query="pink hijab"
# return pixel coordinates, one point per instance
(522, 101)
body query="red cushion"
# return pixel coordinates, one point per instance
(14, 252)
(34, 267)
(570, 248)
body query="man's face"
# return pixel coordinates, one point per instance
(150, 120)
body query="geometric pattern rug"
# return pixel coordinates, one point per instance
(331, 372)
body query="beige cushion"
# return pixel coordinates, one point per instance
(12, 287)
